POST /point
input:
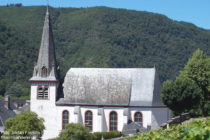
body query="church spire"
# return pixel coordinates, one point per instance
(46, 64)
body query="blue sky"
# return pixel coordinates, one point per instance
(193, 11)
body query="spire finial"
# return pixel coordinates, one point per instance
(47, 6)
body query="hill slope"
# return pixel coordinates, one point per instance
(95, 37)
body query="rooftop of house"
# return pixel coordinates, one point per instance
(133, 128)
(5, 113)
(10, 107)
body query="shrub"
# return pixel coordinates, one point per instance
(75, 131)
(106, 135)
(198, 129)
(26, 124)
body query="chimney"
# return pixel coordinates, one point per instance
(7, 101)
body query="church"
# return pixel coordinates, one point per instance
(102, 99)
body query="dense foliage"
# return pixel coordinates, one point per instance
(106, 135)
(196, 130)
(24, 126)
(180, 95)
(78, 132)
(95, 37)
(198, 70)
(190, 91)
(75, 131)
(14, 62)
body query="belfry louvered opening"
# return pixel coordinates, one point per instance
(43, 92)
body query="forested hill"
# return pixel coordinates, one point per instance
(94, 37)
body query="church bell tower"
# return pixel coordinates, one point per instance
(44, 82)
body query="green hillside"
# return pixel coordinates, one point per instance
(94, 37)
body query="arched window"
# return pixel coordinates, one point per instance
(138, 117)
(44, 72)
(89, 120)
(65, 119)
(113, 121)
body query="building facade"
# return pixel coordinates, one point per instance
(102, 99)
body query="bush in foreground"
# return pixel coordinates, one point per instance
(106, 135)
(198, 129)
(24, 126)
(75, 131)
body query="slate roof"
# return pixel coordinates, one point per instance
(133, 128)
(5, 114)
(25, 107)
(111, 86)
(15, 103)
(46, 56)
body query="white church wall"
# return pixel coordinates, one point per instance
(98, 126)
(33, 97)
(51, 93)
(53, 115)
(45, 108)
(159, 116)
(146, 112)
(94, 111)
(119, 111)
(59, 111)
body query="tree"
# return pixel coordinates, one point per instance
(15, 90)
(198, 69)
(191, 89)
(181, 95)
(24, 125)
(75, 132)
(2, 87)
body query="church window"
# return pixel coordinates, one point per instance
(65, 119)
(138, 117)
(42, 92)
(113, 121)
(89, 120)
(44, 72)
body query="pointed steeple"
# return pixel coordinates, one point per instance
(46, 64)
